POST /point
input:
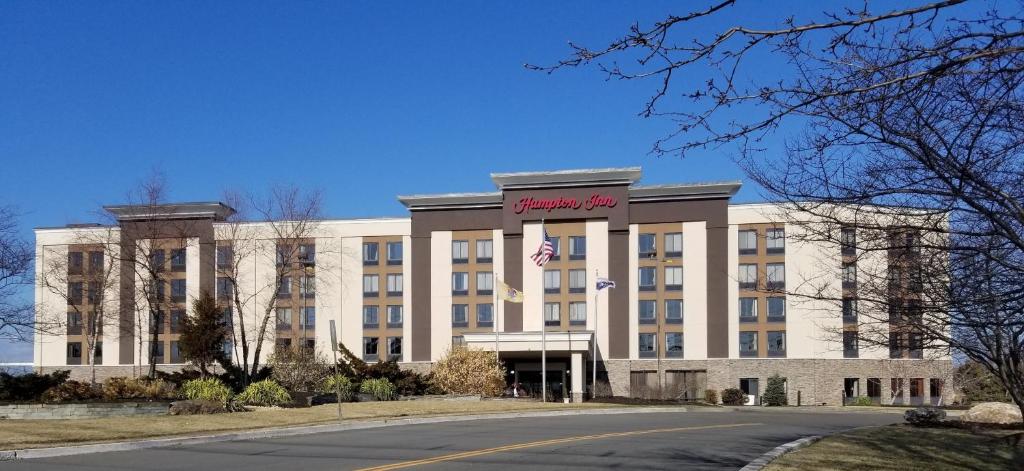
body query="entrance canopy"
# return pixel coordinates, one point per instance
(515, 342)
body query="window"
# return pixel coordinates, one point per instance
(178, 259)
(75, 292)
(916, 341)
(284, 343)
(371, 317)
(308, 318)
(748, 309)
(371, 253)
(748, 242)
(156, 260)
(484, 283)
(177, 319)
(394, 348)
(284, 254)
(849, 310)
(776, 309)
(178, 290)
(95, 324)
(484, 315)
(227, 349)
(674, 244)
(484, 251)
(223, 287)
(74, 353)
(307, 286)
(157, 321)
(556, 245)
(896, 346)
(98, 351)
(460, 284)
(460, 315)
(748, 344)
(748, 276)
(776, 241)
(577, 248)
(552, 281)
(75, 261)
(460, 251)
(552, 314)
(458, 341)
(916, 387)
(157, 289)
(577, 281)
(850, 349)
(776, 276)
(674, 311)
(674, 344)
(896, 389)
(394, 316)
(370, 348)
(647, 311)
(394, 281)
(74, 323)
(874, 387)
(673, 278)
(577, 313)
(225, 254)
(648, 346)
(284, 318)
(307, 254)
(647, 246)
(648, 278)
(157, 350)
(227, 317)
(848, 241)
(849, 275)
(95, 261)
(285, 290)
(95, 293)
(777, 344)
(394, 253)
(371, 286)
(175, 352)
(935, 385)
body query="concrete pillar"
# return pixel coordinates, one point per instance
(577, 377)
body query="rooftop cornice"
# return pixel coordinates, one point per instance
(452, 201)
(567, 178)
(676, 192)
(194, 210)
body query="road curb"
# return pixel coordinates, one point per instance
(778, 451)
(35, 453)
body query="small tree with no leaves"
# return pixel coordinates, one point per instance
(203, 333)
(468, 371)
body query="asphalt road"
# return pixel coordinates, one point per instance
(688, 440)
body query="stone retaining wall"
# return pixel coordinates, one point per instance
(82, 411)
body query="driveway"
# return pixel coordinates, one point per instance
(688, 440)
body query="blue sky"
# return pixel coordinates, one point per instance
(362, 101)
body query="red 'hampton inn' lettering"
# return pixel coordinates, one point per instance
(530, 203)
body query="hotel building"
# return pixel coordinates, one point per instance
(703, 297)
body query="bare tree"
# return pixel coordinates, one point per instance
(86, 282)
(16, 256)
(902, 126)
(268, 230)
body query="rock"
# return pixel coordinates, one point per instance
(924, 416)
(197, 407)
(992, 413)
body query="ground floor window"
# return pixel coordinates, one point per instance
(394, 348)
(874, 387)
(936, 386)
(370, 348)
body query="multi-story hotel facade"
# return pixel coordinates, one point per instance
(703, 298)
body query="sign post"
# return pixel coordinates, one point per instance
(334, 351)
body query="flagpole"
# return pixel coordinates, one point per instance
(597, 317)
(497, 310)
(543, 332)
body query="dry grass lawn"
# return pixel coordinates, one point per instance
(906, 448)
(16, 434)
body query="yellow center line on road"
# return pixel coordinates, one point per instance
(555, 441)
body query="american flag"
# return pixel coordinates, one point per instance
(545, 251)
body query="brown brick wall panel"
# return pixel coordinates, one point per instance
(618, 299)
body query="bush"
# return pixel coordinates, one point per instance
(775, 392)
(299, 369)
(206, 389)
(70, 391)
(31, 386)
(178, 378)
(711, 396)
(234, 377)
(264, 393)
(467, 371)
(332, 383)
(380, 388)
(924, 416)
(862, 401)
(733, 397)
(197, 407)
(137, 388)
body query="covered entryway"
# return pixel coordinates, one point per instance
(568, 360)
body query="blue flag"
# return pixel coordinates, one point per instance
(603, 283)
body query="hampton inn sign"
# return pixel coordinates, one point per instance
(529, 203)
